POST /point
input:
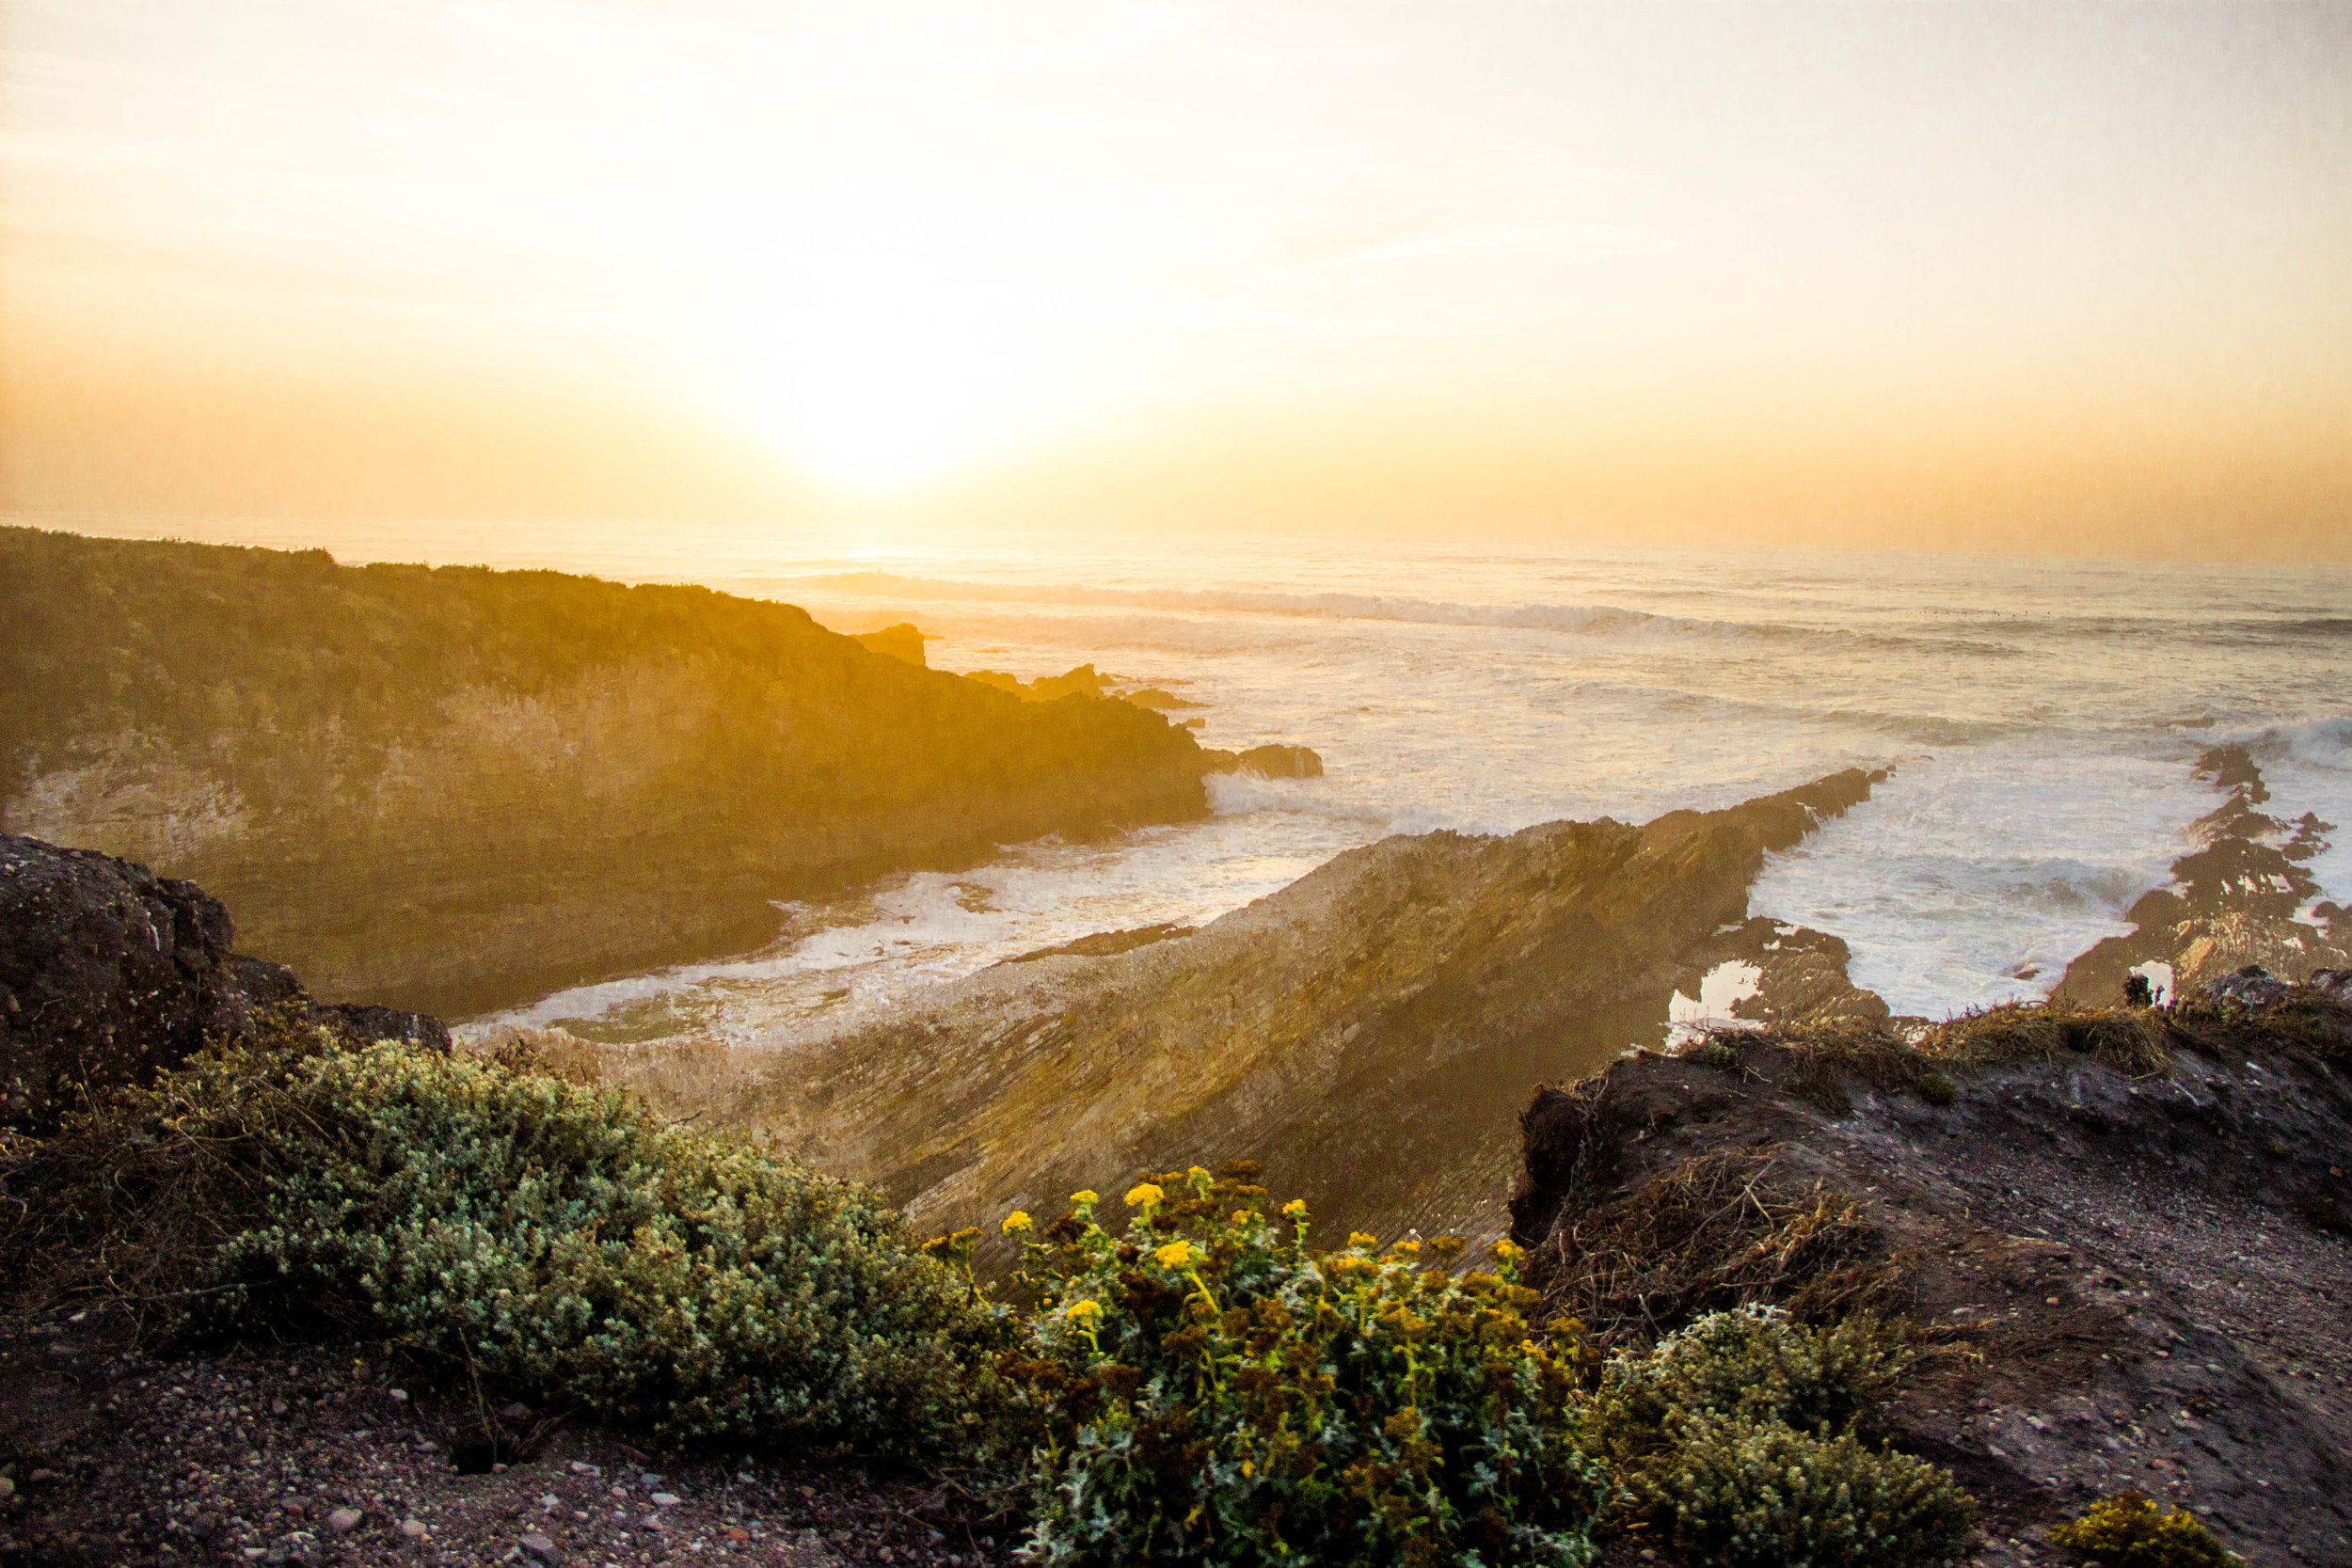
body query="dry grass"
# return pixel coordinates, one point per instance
(1719, 1232)
(2132, 1041)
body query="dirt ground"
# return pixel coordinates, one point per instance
(329, 1455)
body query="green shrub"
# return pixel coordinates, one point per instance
(1732, 1439)
(553, 1236)
(2129, 1531)
(1218, 1394)
(1763, 1495)
(1751, 1364)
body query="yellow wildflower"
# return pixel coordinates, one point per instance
(1176, 1255)
(1408, 1247)
(1296, 1208)
(1241, 1216)
(1085, 1311)
(1506, 1251)
(1357, 1237)
(1017, 1223)
(1085, 1198)
(1144, 1195)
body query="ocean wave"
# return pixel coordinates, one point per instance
(1600, 619)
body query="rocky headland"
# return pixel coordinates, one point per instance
(455, 789)
(1368, 1034)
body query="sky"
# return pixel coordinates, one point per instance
(2026, 278)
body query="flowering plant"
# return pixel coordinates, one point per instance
(1216, 1392)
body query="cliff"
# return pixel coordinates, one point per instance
(1368, 1034)
(455, 788)
(2121, 1233)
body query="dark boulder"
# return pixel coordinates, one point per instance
(109, 975)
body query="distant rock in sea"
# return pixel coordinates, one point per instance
(902, 641)
(1268, 762)
(1159, 701)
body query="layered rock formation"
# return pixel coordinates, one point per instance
(455, 789)
(1369, 1034)
(2126, 1280)
(109, 973)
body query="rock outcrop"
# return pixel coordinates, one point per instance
(1268, 762)
(455, 789)
(1368, 1034)
(109, 975)
(2244, 896)
(903, 642)
(2124, 1282)
(1159, 701)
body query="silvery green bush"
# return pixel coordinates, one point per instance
(555, 1237)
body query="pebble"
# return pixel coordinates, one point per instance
(412, 1529)
(344, 1520)
(539, 1547)
(398, 1396)
(665, 1500)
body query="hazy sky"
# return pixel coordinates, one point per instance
(2012, 277)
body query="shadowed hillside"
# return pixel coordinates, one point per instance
(454, 788)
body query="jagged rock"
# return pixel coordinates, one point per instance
(902, 641)
(1268, 762)
(2251, 985)
(2243, 897)
(109, 975)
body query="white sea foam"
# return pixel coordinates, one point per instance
(2042, 753)
(1721, 989)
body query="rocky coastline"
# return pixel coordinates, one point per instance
(456, 789)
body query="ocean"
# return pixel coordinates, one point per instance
(2040, 715)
